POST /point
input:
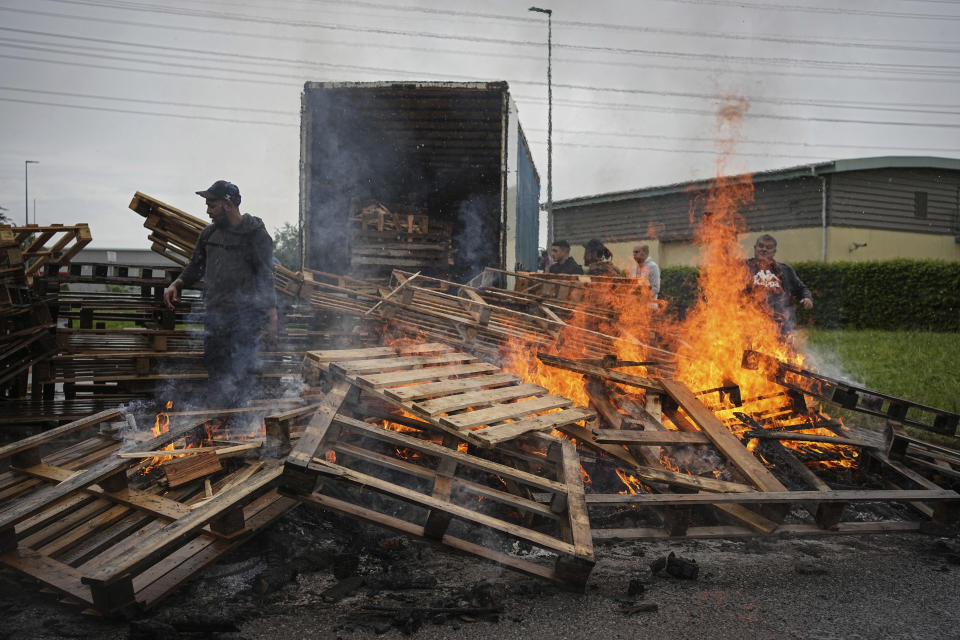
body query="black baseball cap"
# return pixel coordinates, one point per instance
(222, 190)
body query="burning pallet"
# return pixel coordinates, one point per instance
(86, 521)
(340, 463)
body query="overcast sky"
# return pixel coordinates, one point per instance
(116, 96)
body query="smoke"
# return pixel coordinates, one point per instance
(477, 238)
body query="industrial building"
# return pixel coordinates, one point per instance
(844, 210)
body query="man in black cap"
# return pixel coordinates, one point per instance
(234, 257)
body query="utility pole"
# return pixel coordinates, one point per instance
(26, 189)
(549, 13)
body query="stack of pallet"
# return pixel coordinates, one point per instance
(82, 512)
(174, 233)
(26, 326)
(384, 237)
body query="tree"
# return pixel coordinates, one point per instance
(3, 216)
(286, 246)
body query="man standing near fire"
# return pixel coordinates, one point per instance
(234, 257)
(780, 282)
(644, 267)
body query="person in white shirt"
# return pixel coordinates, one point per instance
(644, 267)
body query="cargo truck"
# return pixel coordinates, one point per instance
(429, 176)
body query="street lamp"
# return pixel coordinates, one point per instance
(26, 188)
(549, 13)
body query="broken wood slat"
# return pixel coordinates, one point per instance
(806, 437)
(651, 384)
(727, 443)
(448, 388)
(498, 433)
(456, 402)
(776, 497)
(728, 531)
(508, 411)
(576, 569)
(61, 577)
(378, 381)
(651, 474)
(649, 438)
(356, 367)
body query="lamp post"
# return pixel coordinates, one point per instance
(26, 189)
(549, 13)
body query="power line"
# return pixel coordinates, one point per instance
(899, 68)
(145, 113)
(915, 78)
(930, 109)
(744, 4)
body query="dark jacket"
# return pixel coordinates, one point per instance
(568, 266)
(236, 265)
(780, 282)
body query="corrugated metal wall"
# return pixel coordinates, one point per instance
(779, 204)
(887, 199)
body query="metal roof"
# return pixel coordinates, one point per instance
(815, 169)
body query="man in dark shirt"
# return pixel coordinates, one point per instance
(780, 282)
(562, 262)
(234, 257)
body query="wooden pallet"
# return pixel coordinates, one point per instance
(42, 245)
(77, 521)
(452, 498)
(699, 426)
(474, 401)
(174, 233)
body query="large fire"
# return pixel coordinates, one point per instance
(708, 344)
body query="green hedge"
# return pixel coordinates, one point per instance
(893, 295)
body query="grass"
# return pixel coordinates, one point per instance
(923, 367)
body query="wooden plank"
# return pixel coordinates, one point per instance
(429, 502)
(652, 384)
(507, 411)
(188, 468)
(52, 434)
(22, 509)
(727, 443)
(378, 381)
(356, 367)
(650, 474)
(334, 355)
(463, 459)
(447, 387)
(508, 431)
(317, 428)
(411, 529)
(459, 401)
(774, 497)
(135, 553)
(843, 528)
(650, 438)
(579, 519)
(61, 577)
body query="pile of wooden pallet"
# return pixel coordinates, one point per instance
(26, 326)
(432, 442)
(384, 237)
(90, 521)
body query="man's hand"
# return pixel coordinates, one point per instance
(807, 303)
(171, 294)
